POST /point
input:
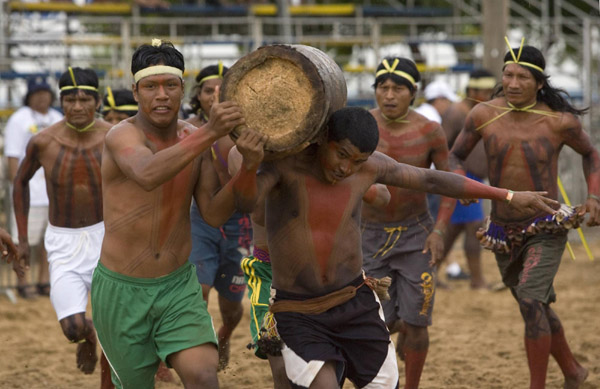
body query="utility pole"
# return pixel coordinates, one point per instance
(495, 24)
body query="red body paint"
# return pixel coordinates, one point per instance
(326, 207)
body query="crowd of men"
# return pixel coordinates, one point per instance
(147, 213)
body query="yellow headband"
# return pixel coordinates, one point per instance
(518, 56)
(213, 76)
(113, 106)
(482, 83)
(157, 69)
(392, 70)
(75, 86)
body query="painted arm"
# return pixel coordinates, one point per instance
(435, 241)
(27, 169)
(390, 172)
(241, 192)
(128, 146)
(463, 145)
(580, 141)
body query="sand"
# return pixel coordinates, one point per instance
(476, 338)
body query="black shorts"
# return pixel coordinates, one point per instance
(352, 334)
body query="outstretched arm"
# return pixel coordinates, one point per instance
(390, 172)
(129, 147)
(580, 141)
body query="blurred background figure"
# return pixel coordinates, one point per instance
(35, 115)
(118, 105)
(439, 96)
(469, 218)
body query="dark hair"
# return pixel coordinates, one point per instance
(149, 55)
(37, 84)
(87, 77)
(355, 124)
(481, 73)
(205, 72)
(122, 97)
(405, 65)
(553, 97)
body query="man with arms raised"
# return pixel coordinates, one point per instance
(523, 130)
(330, 321)
(147, 301)
(70, 152)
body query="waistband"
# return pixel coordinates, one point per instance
(122, 278)
(282, 294)
(66, 230)
(424, 217)
(261, 255)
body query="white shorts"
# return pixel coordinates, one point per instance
(72, 255)
(36, 225)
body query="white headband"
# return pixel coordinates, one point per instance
(158, 69)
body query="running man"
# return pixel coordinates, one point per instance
(217, 252)
(329, 320)
(70, 152)
(523, 130)
(147, 302)
(401, 240)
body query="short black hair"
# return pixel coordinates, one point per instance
(405, 65)
(122, 97)
(210, 70)
(87, 77)
(163, 54)
(481, 73)
(355, 124)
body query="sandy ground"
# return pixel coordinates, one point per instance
(476, 339)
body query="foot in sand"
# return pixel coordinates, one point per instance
(223, 353)
(576, 381)
(86, 355)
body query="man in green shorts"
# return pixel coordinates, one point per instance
(147, 303)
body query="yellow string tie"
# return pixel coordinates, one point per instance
(113, 105)
(516, 58)
(400, 119)
(84, 129)
(390, 230)
(75, 86)
(563, 193)
(512, 108)
(392, 70)
(213, 76)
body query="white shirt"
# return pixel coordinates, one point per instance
(21, 126)
(429, 112)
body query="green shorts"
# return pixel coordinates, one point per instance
(529, 272)
(258, 275)
(141, 321)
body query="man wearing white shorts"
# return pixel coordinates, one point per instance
(70, 152)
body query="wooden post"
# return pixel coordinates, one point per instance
(495, 22)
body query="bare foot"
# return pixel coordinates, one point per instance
(163, 374)
(223, 353)
(86, 355)
(575, 382)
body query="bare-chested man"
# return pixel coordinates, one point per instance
(523, 129)
(330, 321)
(401, 240)
(147, 302)
(469, 217)
(70, 152)
(218, 252)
